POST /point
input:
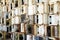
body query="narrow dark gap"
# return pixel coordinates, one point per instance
(16, 4)
(20, 37)
(11, 6)
(49, 31)
(22, 2)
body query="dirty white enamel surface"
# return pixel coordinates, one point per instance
(0, 11)
(19, 11)
(34, 9)
(45, 18)
(29, 37)
(56, 0)
(59, 19)
(9, 1)
(12, 12)
(55, 8)
(4, 20)
(13, 6)
(39, 1)
(22, 27)
(52, 0)
(41, 30)
(14, 28)
(1, 27)
(45, 1)
(4, 28)
(25, 9)
(40, 8)
(50, 13)
(3, 2)
(16, 20)
(9, 9)
(31, 19)
(16, 11)
(37, 29)
(12, 20)
(33, 37)
(30, 10)
(4, 9)
(46, 10)
(25, 1)
(54, 20)
(30, 2)
(40, 18)
(56, 33)
(35, 18)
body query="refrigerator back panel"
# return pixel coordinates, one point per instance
(53, 20)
